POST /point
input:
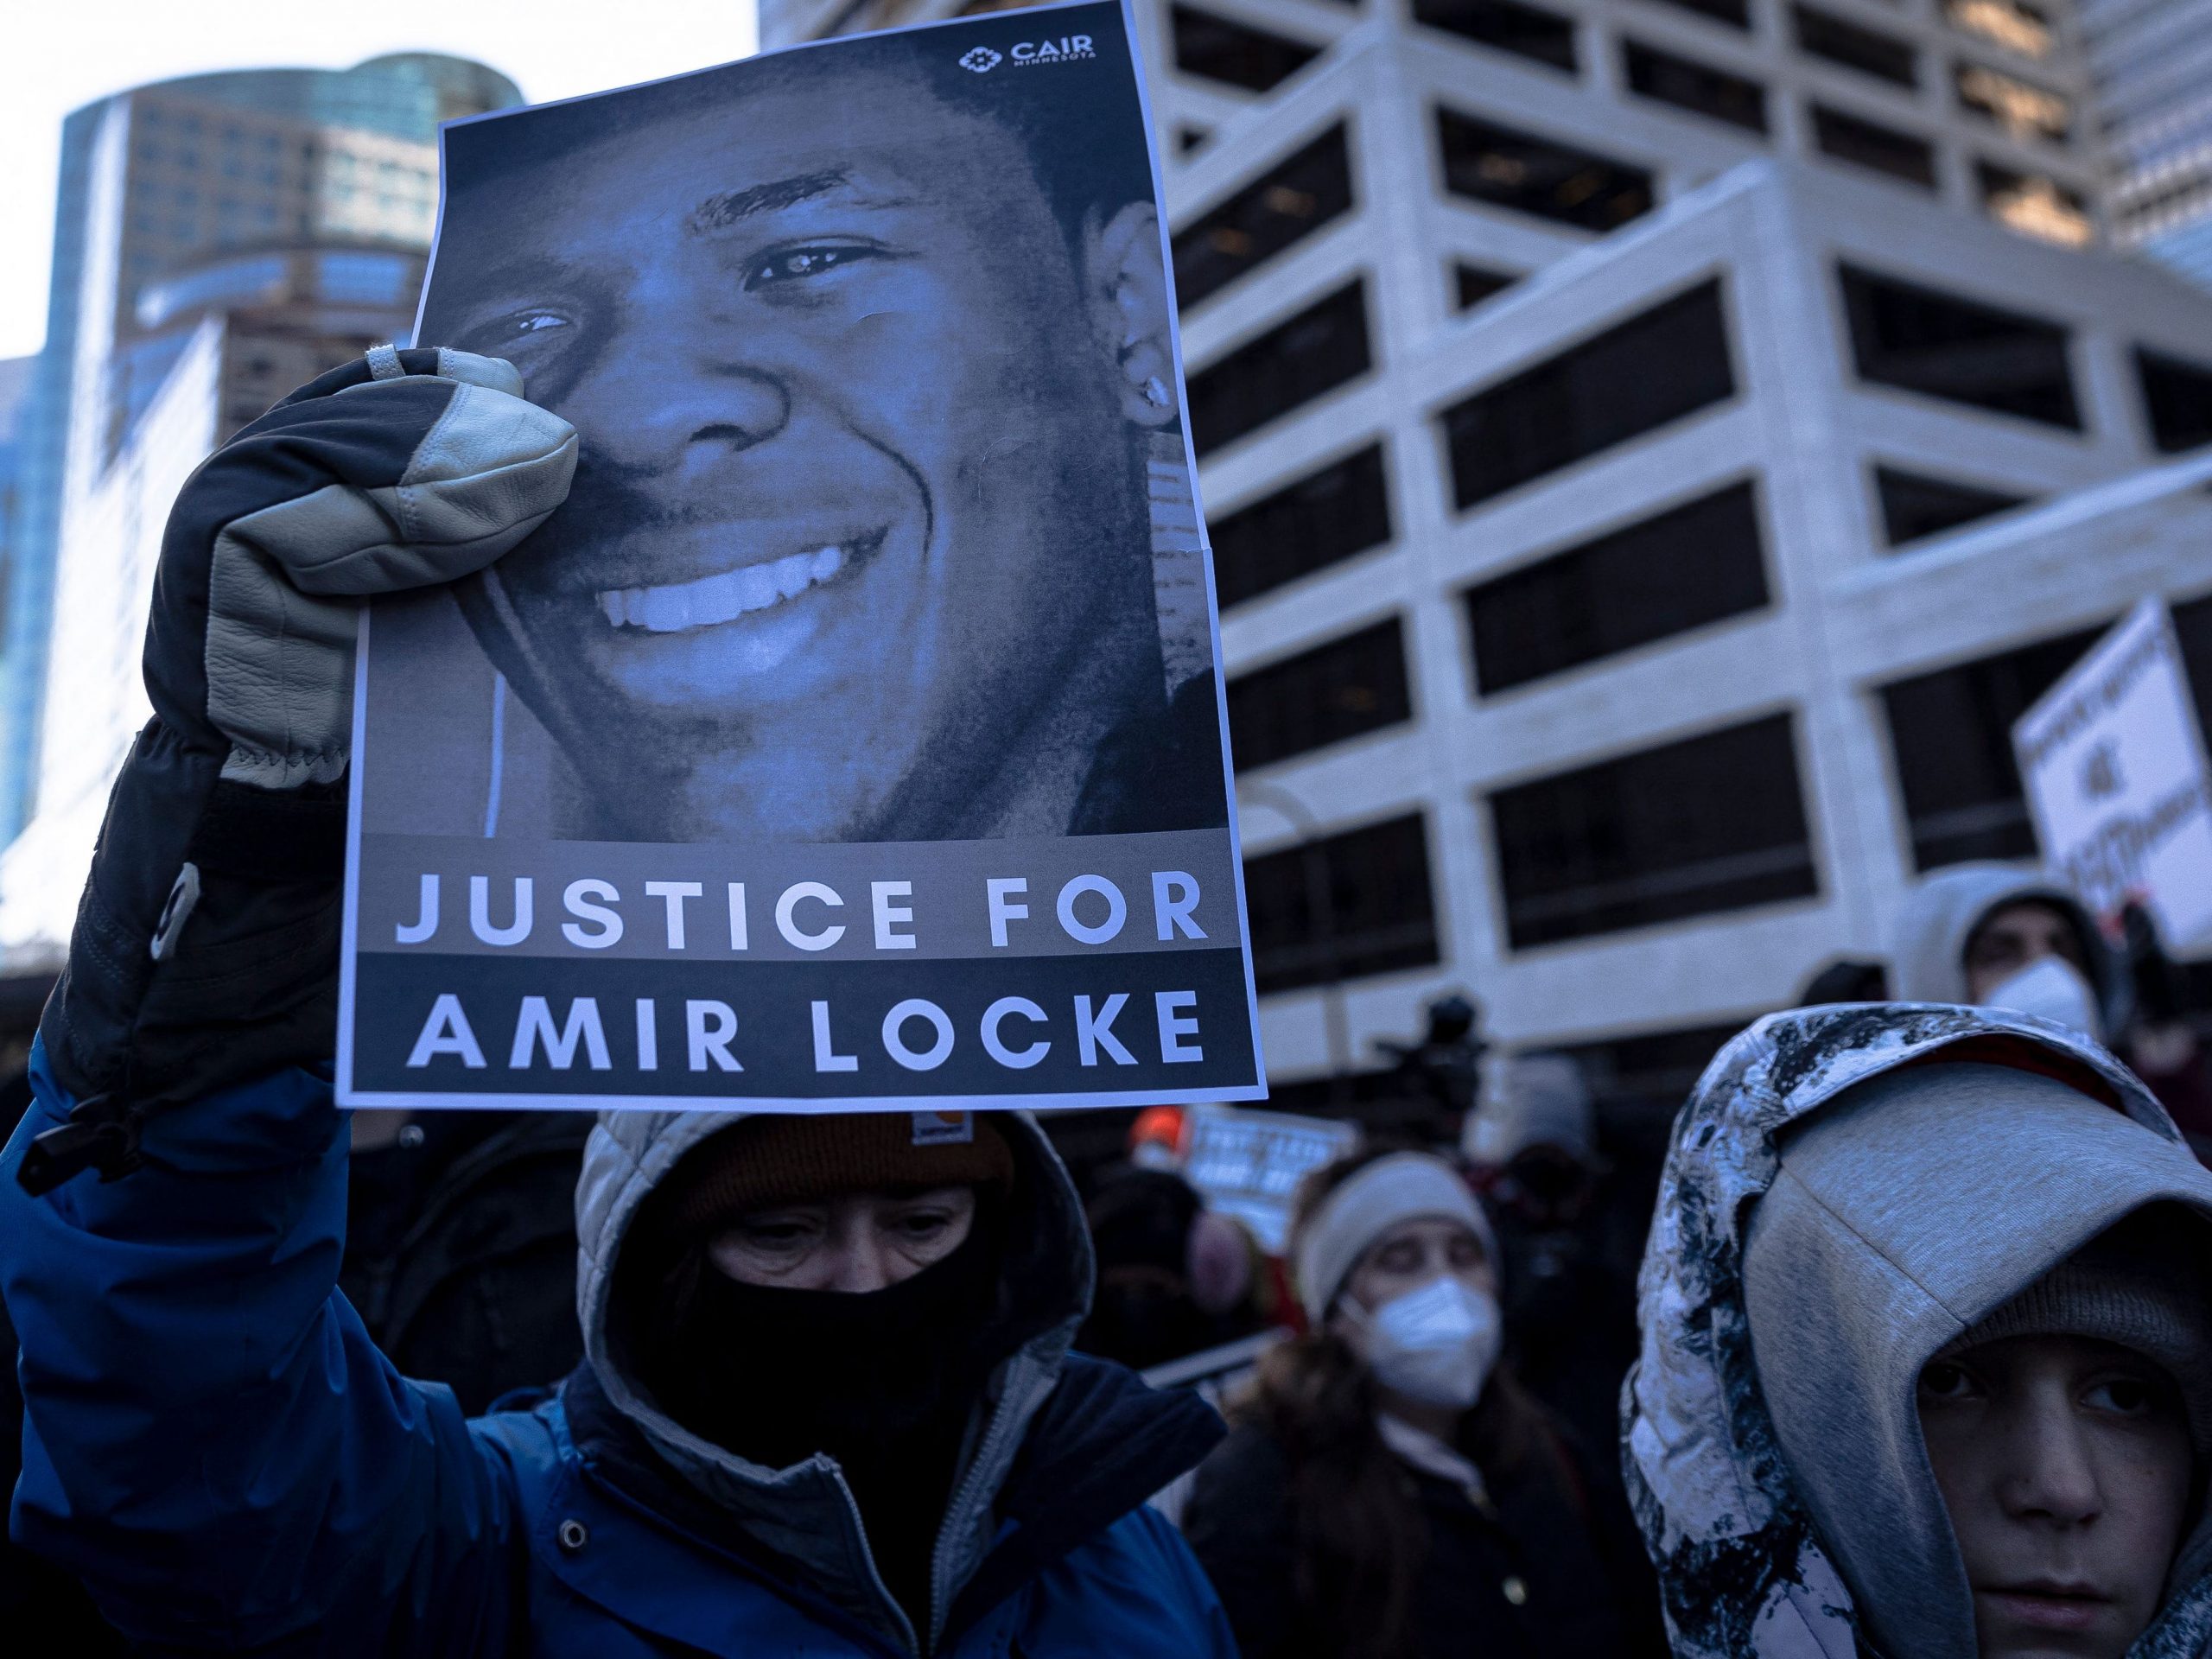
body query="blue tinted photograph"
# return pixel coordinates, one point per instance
(881, 528)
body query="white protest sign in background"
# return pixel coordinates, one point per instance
(2114, 771)
(1248, 1164)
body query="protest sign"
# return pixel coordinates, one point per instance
(2114, 770)
(853, 734)
(1248, 1163)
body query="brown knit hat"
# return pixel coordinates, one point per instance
(777, 1159)
(2136, 1285)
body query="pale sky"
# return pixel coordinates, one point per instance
(62, 54)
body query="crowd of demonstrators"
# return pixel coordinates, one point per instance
(827, 1402)
(763, 1291)
(1927, 1349)
(1388, 1489)
(1923, 1365)
(827, 1405)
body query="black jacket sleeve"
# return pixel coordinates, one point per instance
(1239, 1523)
(206, 947)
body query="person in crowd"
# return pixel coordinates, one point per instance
(1438, 1076)
(1927, 1350)
(1569, 1308)
(1997, 936)
(826, 1404)
(827, 1407)
(1174, 1278)
(1846, 979)
(1388, 1491)
(2163, 1045)
(461, 1245)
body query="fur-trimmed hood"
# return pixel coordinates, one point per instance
(1848, 1551)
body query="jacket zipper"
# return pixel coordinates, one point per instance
(906, 1625)
(963, 1499)
(789, 1592)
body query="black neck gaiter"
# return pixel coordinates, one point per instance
(883, 1381)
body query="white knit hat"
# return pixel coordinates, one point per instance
(1404, 1186)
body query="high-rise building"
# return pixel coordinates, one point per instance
(16, 374)
(218, 239)
(2151, 64)
(1651, 453)
(1979, 103)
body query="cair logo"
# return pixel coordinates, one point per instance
(1028, 53)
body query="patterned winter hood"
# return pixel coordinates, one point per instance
(1854, 1285)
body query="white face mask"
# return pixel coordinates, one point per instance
(1437, 1344)
(2055, 989)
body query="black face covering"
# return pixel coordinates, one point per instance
(883, 1381)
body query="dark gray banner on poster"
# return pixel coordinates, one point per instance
(854, 732)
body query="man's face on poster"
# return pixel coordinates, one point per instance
(857, 480)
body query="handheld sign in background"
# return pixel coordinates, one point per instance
(1249, 1164)
(2114, 771)
(854, 734)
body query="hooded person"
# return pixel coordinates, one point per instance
(827, 1405)
(752, 1458)
(1994, 935)
(1388, 1491)
(1927, 1350)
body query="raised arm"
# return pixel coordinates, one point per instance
(211, 1441)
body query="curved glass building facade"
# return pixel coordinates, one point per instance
(293, 205)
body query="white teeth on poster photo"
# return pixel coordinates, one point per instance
(722, 598)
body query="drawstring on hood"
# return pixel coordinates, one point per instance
(1834, 1210)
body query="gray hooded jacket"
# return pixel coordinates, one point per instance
(1940, 916)
(805, 1515)
(1787, 1499)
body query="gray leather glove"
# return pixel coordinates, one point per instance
(205, 948)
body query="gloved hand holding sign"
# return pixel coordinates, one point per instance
(206, 947)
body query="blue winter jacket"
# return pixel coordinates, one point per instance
(212, 1443)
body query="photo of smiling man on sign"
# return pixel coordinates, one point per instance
(873, 636)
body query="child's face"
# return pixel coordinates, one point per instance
(2065, 1466)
